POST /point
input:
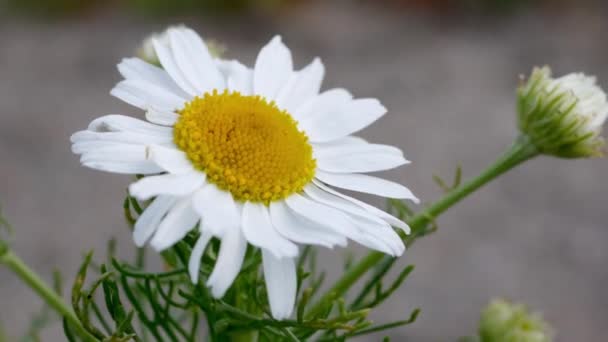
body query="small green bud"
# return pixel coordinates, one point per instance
(562, 116)
(502, 321)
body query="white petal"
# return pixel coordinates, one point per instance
(132, 168)
(116, 153)
(238, 76)
(218, 209)
(137, 69)
(347, 141)
(161, 118)
(321, 196)
(367, 184)
(381, 235)
(122, 123)
(301, 230)
(147, 223)
(119, 158)
(167, 60)
(168, 184)
(119, 137)
(359, 158)
(380, 213)
(170, 159)
(192, 57)
(194, 264)
(343, 120)
(146, 95)
(305, 84)
(320, 214)
(281, 283)
(180, 220)
(259, 231)
(354, 227)
(273, 67)
(321, 106)
(85, 146)
(229, 262)
(377, 243)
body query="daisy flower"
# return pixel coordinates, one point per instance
(245, 155)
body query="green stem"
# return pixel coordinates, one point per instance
(519, 152)
(244, 336)
(26, 274)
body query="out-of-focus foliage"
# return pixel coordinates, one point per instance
(60, 8)
(119, 301)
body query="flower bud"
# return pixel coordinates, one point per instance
(502, 321)
(562, 116)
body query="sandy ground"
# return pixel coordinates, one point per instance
(537, 235)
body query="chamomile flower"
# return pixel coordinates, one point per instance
(245, 155)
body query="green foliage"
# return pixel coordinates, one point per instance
(165, 306)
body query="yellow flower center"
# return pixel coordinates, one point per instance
(245, 145)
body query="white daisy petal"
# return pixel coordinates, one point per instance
(229, 262)
(305, 84)
(387, 240)
(146, 95)
(133, 168)
(346, 142)
(161, 118)
(194, 264)
(281, 284)
(168, 184)
(218, 209)
(298, 229)
(180, 220)
(320, 214)
(349, 225)
(147, 223)
(122, 123)
(321, 106)
(169, 159)
(359, 158)
(238, 77)
(259, 231)
(374, 242)
(367, 184)
(321, 196)
(273, 67)
(139, 70)
(192, 57)
(119, 158)
(84, 146)
(346, 119)
(116, 153)
(390, 219)
(119, 137)
(167, 60)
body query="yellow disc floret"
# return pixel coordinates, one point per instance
(245, 145)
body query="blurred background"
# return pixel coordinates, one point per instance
(446, 69)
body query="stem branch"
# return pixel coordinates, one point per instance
(55, 301)
(519, 152)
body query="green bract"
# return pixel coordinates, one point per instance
(562, 116)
